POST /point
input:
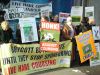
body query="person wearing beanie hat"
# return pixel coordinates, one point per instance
(5, 33)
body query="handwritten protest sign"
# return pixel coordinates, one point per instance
(86, 46)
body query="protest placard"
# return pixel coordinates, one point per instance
(86, 46)
(96, 60)
(28, 30)
(89, 12)
(14, 13)
(63, 17)
(96, 32)
(76, 14)
(30, 9)
(46, 11)
(49, 36)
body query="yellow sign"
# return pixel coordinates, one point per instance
(21, 59)
(86, 46)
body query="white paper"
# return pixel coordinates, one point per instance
(89, 12)
(63, 16)
(96, 32)
(77, 11)
(96, 60)
(28, 30)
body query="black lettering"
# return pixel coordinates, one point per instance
(36, 57)
(15, 49)
(23, 58)
(62, 46)
(9, 60)
(38, 50)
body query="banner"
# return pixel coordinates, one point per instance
(85, 45)
(22, 59)
(76, 14)
(63, 17)
(46, 11)
(89, 12)
(14, 13)
(19, 4)
(49, 36)
(28, 30)
(96, 60)
(96, 32)
(14, 24)
(30, 9)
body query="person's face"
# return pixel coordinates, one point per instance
(56, 18)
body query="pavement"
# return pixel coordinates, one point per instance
(81, 70)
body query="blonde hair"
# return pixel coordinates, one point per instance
(5, 25)
(91, 21)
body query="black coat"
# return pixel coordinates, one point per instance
(6, 36)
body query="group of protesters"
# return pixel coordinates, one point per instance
(67, 29)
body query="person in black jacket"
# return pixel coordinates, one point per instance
(84, 26)
(18, 35)
(5, 33)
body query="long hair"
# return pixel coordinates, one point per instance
(67, 32)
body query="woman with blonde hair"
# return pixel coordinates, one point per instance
(67, 31)
(5, 33)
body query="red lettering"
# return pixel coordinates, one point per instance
(37, 64)
(52, 62)
(64, 15)
(33, 65)
(23, 67)
(12, 70)
(43, 63)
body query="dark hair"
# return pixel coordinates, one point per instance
(85, 20)
(2, 13)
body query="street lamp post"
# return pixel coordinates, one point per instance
(83, 4)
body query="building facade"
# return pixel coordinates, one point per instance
(95, 3)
